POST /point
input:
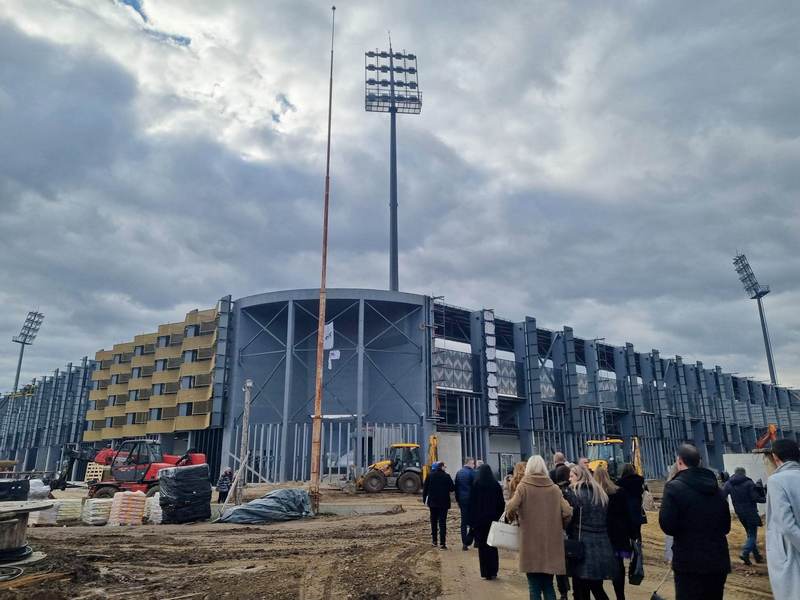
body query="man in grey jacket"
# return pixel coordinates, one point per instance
(783, 520)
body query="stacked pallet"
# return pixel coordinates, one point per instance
(127, 508)
(94, 472)
(96, 511)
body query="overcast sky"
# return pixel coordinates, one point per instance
(590, 164)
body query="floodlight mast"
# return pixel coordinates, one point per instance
(757, 293)
(30, 328)
(403, 97)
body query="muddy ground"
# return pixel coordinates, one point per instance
(360, 558)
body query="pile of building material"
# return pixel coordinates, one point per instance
(62, 512)
(96, 511)
(185, 494)
(152, 510)
(127, 508)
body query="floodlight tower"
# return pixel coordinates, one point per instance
(26, 336)
(757, 292)
(390, 85)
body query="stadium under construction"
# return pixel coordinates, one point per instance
(398, 367)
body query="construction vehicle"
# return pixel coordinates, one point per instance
(608, 454)
(402, 469)
(133, 467)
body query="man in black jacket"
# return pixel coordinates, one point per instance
(436, 495)
(695, 514)
(745, 495)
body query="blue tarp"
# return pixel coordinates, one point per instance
(279, 505)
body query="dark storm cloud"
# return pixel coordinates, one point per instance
(595, 167)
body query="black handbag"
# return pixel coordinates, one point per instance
(573, 549)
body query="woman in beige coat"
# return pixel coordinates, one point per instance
(543, 513)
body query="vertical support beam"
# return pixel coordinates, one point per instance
(287, 388)
(479, 379)
(622, 372)
(524, 416)
(360, 392)
(636, 405)
(569, 381)
(710, 420)
(683, 395)
(593, 376)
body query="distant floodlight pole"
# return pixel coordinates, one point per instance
(30, 328)
(397, 94)
(757, 292)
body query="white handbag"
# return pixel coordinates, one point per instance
(503, 535)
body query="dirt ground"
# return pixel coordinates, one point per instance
(372, 557)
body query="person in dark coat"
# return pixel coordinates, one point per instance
(694, 512)
(224, 485)
(589, 526)
(486, 504)
(560, 476)
(560, 470)
(620, 527)
(464, 480)
(634, 486)
(745, 495)
(436, 495)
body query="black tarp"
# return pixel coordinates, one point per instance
(185, 494)
(14, 490)
(279, 505)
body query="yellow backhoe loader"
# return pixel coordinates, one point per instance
(402, 469)
(608, 454)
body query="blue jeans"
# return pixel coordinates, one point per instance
(540, 586)
(750, 543)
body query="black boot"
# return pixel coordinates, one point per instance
(757, 557)
(745, 559)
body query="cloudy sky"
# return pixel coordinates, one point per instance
(587, 164)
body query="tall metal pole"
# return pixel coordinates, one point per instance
(316, 428)
(767, 342)
(245, 445)
(394, 284)
(19, 364)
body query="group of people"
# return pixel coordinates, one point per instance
(579, 524)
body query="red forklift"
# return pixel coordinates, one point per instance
(133, 467)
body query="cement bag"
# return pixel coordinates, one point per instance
(44, 517)
(69, 509)
(152, 510)
(96, 511)
(185, 494)
(38, 490)
(279, 505)
(127, 508)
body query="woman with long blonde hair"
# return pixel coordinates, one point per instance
(590, 502)
(621, 529)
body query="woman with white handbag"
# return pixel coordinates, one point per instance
(543, 513)
(486, 504)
